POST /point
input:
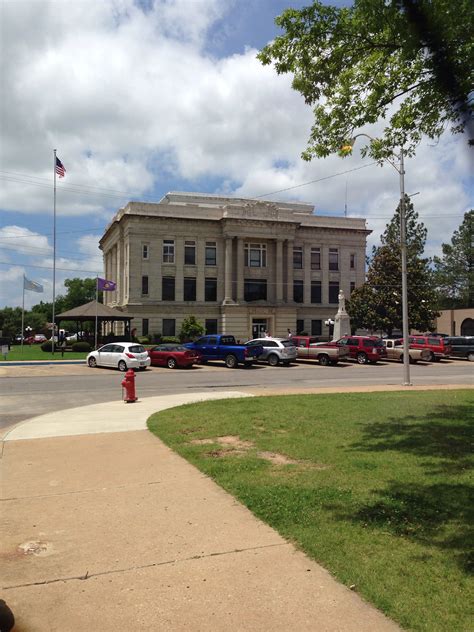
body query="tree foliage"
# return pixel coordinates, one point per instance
(377, 304)
(454, 271)
(410, 60)
(190, 329)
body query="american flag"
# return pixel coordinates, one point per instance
(60, 169)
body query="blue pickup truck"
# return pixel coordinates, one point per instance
(225, 348)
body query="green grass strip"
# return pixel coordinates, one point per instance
(379, 490)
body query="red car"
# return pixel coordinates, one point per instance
(364, 348)
(436, 345)
(173, 355)
(37, 339)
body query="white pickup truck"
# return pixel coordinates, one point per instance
(308, 348)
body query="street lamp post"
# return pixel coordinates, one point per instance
(403, 252)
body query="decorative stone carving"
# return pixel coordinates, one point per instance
(267, 210)
(342, 321)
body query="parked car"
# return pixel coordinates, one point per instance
(120, 355)
(394, 349)
(364, 348)
(436, 345)
(37, 339)
(308, 348)
(80, 335)
(224, 347)
(461, 347)
(275, 350)
(173, 355)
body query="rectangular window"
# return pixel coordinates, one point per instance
(333, 259)
(299, 326)
(297, 257)
(352, 262)
(167, 291)
(316, 292)
(168, 251)
(190, 253)
(145, 251)
(256, 255)
(144, 326)
(353, 286)
(211, 253)
(316, 327)
(255, 290)
(334, 291)
(189, 289)
(145, 285)
(315, 258)
(298, 291)
(211, 326)
(210, 290)
(169, 327)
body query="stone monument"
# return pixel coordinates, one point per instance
(342, 321)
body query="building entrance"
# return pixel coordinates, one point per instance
(259, 327)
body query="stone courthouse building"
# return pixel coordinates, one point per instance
(241, 266)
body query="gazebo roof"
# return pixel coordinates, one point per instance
(89, 312)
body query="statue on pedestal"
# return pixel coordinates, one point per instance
(342, 321)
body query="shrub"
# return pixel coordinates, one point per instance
(144, 340)
(47, 346)
(190, 329)
(156, 339)
(170, 339)
(81, 346)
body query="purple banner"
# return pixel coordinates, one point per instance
(106, 286)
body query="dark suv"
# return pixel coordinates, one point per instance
(437, 346)
(461, 346)
(364, 348)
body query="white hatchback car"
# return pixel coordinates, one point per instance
(121, 356)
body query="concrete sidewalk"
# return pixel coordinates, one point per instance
(105, 528)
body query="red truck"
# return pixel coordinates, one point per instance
(308, 348)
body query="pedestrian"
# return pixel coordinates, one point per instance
(266, 334)
(289, 333)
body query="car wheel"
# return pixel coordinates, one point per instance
(470, 357)
(92, 362)
(273, 359)
(171, 363)
(432, 357)
(361, 358)
(323, 360)
(231, 361)
(122, 366)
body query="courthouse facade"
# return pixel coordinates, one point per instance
(241, 266)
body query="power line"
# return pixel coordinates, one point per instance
(29, 265)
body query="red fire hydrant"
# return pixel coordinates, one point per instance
(128, 383)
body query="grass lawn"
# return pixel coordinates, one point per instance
(33, 352)
(380, 490)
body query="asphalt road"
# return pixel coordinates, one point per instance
(27, 391)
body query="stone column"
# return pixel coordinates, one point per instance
(279, 271)
(200, 276)
(179, 271)
(307, 274)
(228, 271)
(289, 271)
(240, 270)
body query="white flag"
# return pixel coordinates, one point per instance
(32, 285)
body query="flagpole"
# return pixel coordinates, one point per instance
(23, 315)
(54, 253)
(96, 308)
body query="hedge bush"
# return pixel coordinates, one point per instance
(170, 339)
(144, 340)
(47, 346)
(81, 346)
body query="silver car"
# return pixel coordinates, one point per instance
(275, 350)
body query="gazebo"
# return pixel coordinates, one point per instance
(92, 311)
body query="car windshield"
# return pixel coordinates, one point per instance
(137, 349)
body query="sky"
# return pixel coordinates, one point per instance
(144, 97)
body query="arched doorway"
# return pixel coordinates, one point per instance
(467, 327)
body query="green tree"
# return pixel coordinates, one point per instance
(377, 304)
(10, 321)
(410, 60)
(190, 329)
(454, 271)
(79, 292)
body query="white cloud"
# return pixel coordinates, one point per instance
(19, 240)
